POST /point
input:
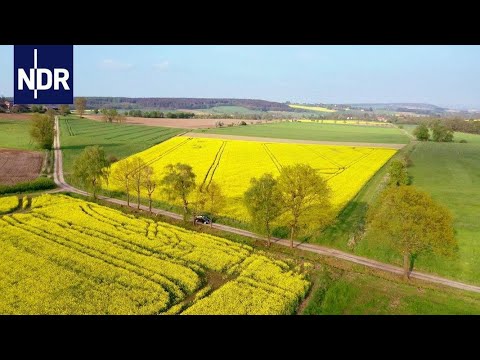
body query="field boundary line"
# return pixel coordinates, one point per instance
(340, 166)
(294, 141)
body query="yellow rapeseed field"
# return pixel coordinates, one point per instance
(8, 204)
(312, 108)
(232, 163)
(68, 256)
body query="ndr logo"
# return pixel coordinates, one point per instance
(43, 74)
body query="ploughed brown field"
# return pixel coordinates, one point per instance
(19, 165)
(12, 116)
(175, 123)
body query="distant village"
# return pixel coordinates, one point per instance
(9, 107)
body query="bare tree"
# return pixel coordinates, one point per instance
(149, 183)
(136, 176)
(215, 199)
(121, 174)
(80, 105)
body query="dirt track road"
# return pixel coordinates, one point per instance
(293, 141)
(60, 181)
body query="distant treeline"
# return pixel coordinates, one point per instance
(182, 103)
(467, 126)
(419, 111)
(240, 116)
(160, 114)
(454, 124)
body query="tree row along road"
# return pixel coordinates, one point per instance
(60, 181)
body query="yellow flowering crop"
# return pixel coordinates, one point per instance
(8, 204)
(232, 163)
(24, 202)
(263, 287)
(312, 108)
(69, 256)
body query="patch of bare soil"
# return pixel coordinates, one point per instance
(175, 123)
(10, 116)
(18, 165)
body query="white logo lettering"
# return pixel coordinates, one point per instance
(42, 78)
(60, 76)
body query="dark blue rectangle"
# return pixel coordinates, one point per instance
(54, 68)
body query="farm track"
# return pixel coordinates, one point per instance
(217, 163)
(325, 251)
(214, 165)
(275, 161)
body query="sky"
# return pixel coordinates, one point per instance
(441, 75)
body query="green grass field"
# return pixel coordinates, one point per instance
(450, 172)
(119, 140)
(15, 134)
(356, 293)
(316, 131)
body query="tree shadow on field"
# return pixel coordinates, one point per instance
(348, 223)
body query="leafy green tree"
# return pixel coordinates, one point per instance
(42, 130)
(64, 109)
(397, 173)
(80, 105)
(91, 167)
(121, 174)
(264, 203)
(177, 183)
(421, 132)
(440, 133)
(305, 198)
(112, 115)
(38, 109)
(412, 223)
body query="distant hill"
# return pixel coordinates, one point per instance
(399, 107)
(182, 103)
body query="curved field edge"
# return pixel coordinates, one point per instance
(91, 259)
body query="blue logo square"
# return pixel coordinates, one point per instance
(43, 74)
